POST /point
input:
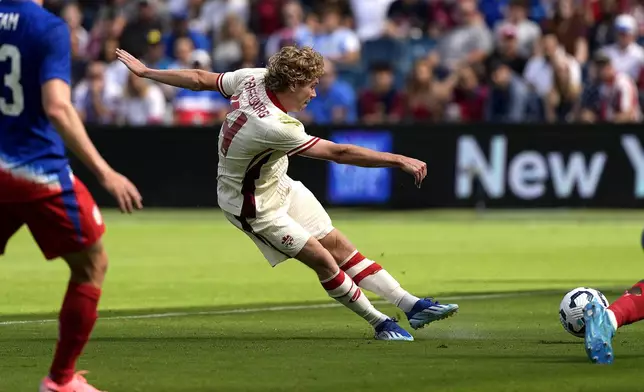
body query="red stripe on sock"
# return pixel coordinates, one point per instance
(356, 295)
(358, 257)
(629, 308)
(370, 270)
(335, 282)
(77, 318)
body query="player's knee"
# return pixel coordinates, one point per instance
(89, 266)
(316, 257)
(325, 269)
(338, 245)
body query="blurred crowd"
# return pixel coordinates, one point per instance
(386, 61)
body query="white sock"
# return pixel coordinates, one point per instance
(371, 276)
(613, 319)
(342, 288)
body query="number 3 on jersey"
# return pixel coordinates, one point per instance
(11, 54)
(231, 131)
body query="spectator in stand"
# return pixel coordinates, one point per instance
(408, 18)
(336, 42)
(183, 48)
(342, 6)
(495, 10)
(337, 28)
(560, 102)
(602, 26)
(143, 103)
(569, 24)
(468, 98)
(425, 95)
(228, 46)
(370, 18)
(207, 16)
(180, 29)
(468, 43)
(636, 9)
(381, 102)
(295, 31)
(442, 17)
(266, 17)
(508, 101)
(507, 50)
(72, 15)
(199, 107)
(626, 55)
(335, 102)
(109, 24)
(154, 56)
(539, 73)
(618, 98)
(192, 8)
(588, 108)
(570, 27)
(135, 33)
(527, 31)
(79, 61)
(89, 12)
(115, 71)
(94, 98)
(592, 10)
(249, 53)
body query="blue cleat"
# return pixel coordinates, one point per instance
(390, 330)
(426, 311)
(599, 333)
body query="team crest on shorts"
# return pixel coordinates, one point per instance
(287, 240)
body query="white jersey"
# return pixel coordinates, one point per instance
(255, 142)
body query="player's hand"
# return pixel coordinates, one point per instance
(123, 191)
(416, 168)
(134, 65)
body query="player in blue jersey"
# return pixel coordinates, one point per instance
(37, 186)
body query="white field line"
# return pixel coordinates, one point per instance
(266, 309)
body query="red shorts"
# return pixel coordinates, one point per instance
(61, 224)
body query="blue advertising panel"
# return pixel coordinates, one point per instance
(360, 185)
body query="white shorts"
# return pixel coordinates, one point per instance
(282, 234)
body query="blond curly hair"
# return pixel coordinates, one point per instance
(293, 66)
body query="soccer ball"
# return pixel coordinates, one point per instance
(571, 309)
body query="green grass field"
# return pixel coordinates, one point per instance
(190, 305)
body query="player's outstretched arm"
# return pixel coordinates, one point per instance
(56, 100)
(193, 79)
(365, 157)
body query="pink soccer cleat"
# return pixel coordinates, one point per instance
(77, 384)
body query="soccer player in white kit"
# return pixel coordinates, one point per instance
(280, 215)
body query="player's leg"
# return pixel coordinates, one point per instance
(343, 289)
(601, 324)
(279, 238)
(10, 222)
(70, 226)
(79, 310)
(371, 276)
(628, 308)
(337, 284)
(367, 274)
